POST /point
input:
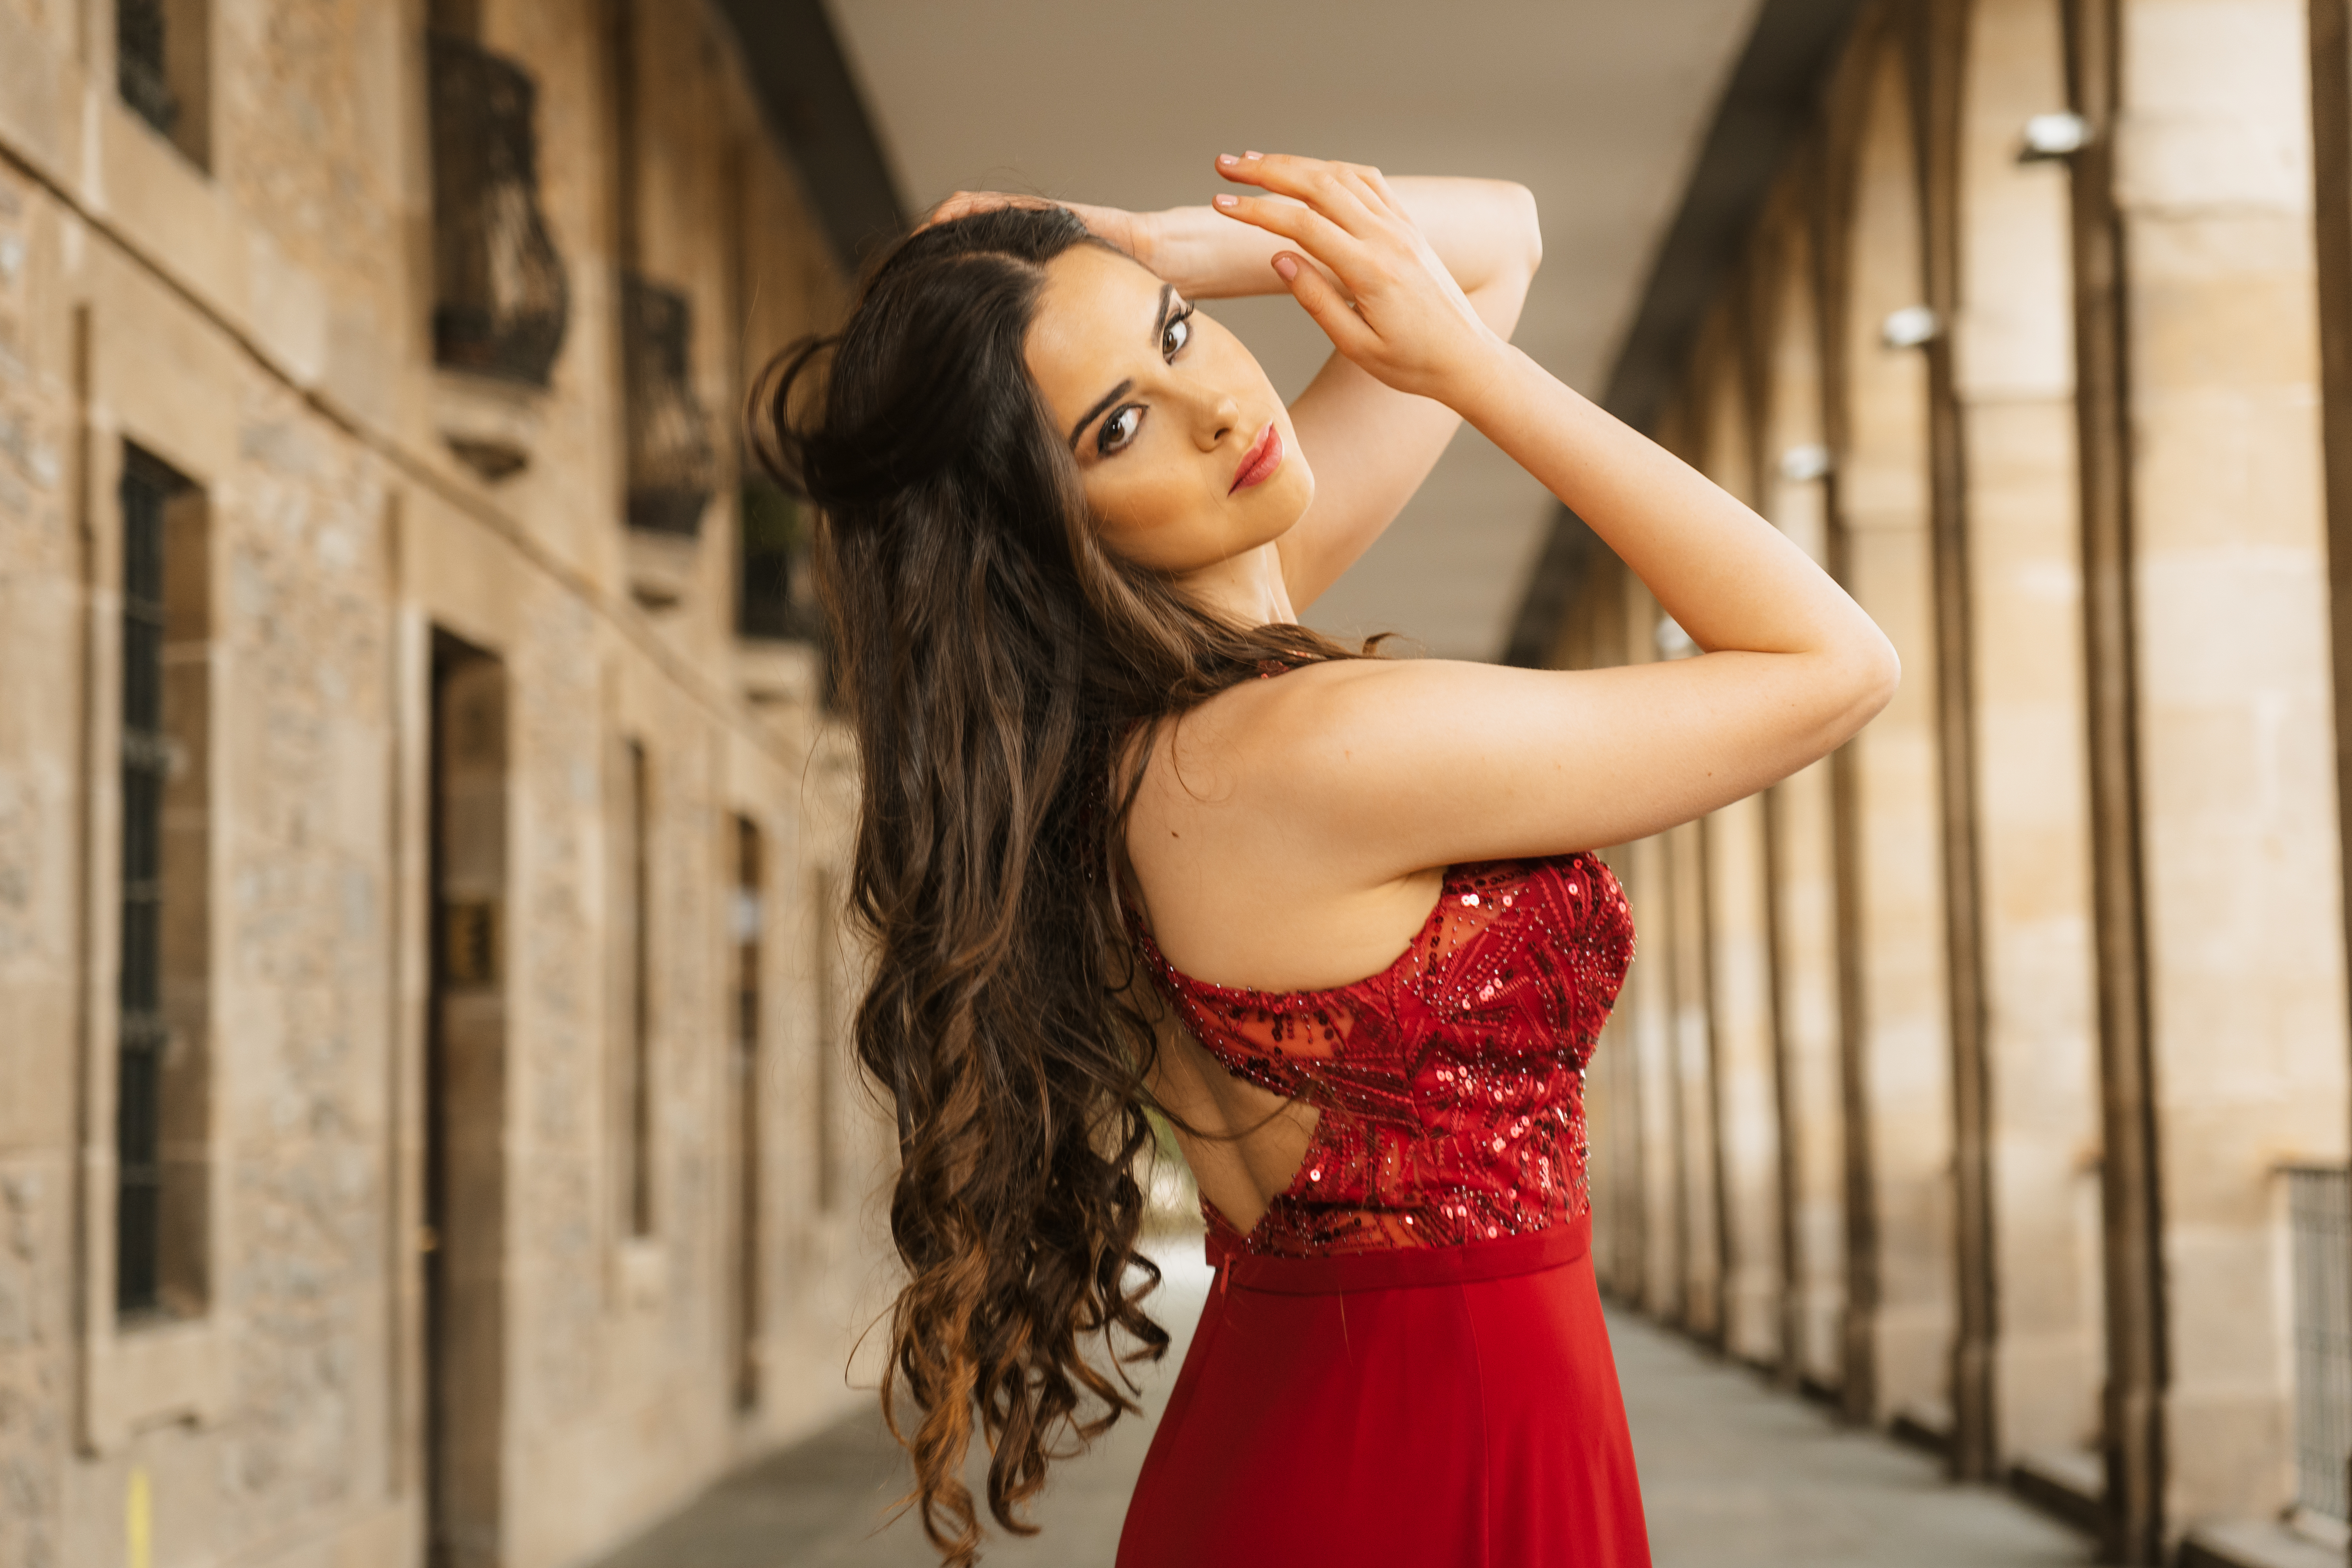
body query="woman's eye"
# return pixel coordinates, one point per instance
(1119, 429)
(1178, 334)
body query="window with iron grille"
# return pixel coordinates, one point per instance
(2320, 1218)
(162, 65)
(160, 1091)
(501, 298)
(138, 62)
(673, 464)
(146, 767)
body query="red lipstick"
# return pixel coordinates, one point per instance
(1259, 462)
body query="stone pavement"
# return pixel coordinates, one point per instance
(1734, 1475)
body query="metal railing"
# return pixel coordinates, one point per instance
(501, 299)
(673, 463)
(2319, 1219)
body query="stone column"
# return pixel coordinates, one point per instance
(1748, 1154)
(1801, 835)
(1593, 635)
(1745, 1112)
(2239, 854)
(1650, 1040)
(1699, 1176)
(2131, 1276)
(1883, 498)
(1937, 38)
(1693, 1116)
(2013, 378)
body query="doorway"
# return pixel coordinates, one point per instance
(464, 1235)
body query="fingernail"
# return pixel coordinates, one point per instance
(1227, 158)
(1229, 201)
(1287, 265)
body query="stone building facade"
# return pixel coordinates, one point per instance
(427, 1131)
(1976, 1078)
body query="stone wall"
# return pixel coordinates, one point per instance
(261, 324)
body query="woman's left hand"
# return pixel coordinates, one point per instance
(1395, 309)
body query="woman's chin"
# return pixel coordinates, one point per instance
(1284, 495)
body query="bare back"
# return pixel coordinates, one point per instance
(1207, 866)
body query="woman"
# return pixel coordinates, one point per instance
(1341, 926)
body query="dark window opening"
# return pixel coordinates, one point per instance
(770, 586)
(501, 298)
(636, 1066)
(161, 1100)
(775, 589)
(463, 1241)
(673, 463)
(139, 39)
(750, 929)
(825, 927)
(161, 69)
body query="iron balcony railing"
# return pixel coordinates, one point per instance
(501, 299)
(2319, 1211)
(673, 463)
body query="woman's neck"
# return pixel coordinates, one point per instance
(1247, 589)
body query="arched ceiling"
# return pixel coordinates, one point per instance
(1597, 106)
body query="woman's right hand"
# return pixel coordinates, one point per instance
(1395, 310)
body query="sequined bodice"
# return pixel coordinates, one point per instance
(1450, 1085)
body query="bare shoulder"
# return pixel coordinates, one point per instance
(1248, 758)
(1238, 884)
(1240, 751)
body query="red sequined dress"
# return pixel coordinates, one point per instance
(1404, 1361)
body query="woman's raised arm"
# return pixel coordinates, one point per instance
(1379, 769)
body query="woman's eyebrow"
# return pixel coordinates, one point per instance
(1158, 325)
(1113, 396)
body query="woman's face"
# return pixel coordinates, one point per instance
(1186, 453)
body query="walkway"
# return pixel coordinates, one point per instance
(1734, 1475)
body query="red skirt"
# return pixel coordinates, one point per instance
(1447, 1408)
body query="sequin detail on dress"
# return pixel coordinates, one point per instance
(1450, 1085)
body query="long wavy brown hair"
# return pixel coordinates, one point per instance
(995, 657)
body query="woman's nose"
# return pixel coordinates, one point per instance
(1219, 414)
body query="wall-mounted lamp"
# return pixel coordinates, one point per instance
(1803, 465)
(1914, 326)
(2054, 138)
(1673, 641)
